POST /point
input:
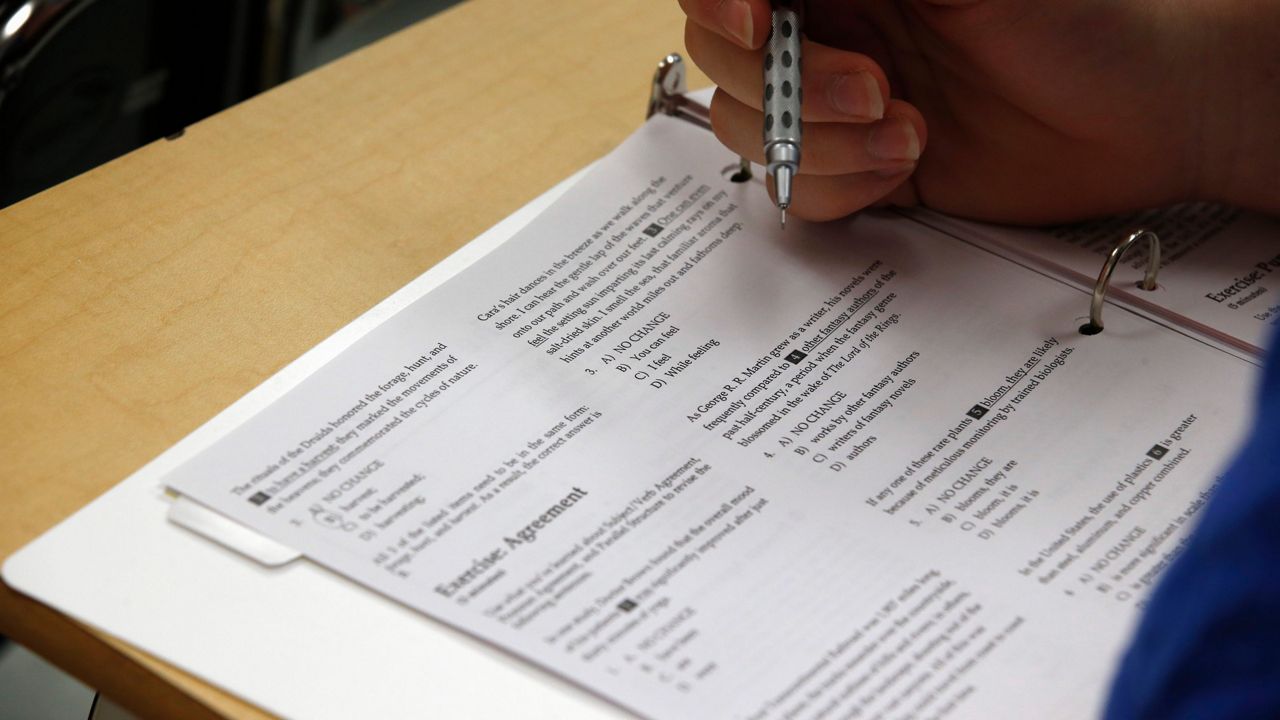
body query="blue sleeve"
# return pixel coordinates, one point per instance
(1208, 645)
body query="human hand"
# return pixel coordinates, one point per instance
(1019, 111)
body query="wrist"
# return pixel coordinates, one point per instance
(1239, 160)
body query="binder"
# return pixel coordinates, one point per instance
(668, 97)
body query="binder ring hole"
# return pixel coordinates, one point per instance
(738, 172)
(1090, 329)
(1142, 285)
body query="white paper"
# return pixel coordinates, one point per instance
(597, 449)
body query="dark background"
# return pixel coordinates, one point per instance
(84, 81)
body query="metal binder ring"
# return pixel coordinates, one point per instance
(667, 97)
(1100, 288)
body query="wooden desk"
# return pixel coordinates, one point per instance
(140, 299)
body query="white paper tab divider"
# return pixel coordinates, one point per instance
(221, 529)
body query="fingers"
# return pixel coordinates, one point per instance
(744, 22)
(892, 143)
(860, 146)
(838, 86)
(844, 167)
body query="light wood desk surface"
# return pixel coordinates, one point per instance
(140, 299)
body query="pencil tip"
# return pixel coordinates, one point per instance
(784, 218)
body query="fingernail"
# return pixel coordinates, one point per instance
(857, 95)
(893, 139)
(735, 16)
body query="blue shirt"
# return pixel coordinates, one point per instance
(1208, 645)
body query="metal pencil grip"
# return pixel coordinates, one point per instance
(782, 96)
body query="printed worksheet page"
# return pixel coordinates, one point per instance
(1219, 265)
(708, 468)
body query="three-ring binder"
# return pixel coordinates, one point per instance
(667, 97)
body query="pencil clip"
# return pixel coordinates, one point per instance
(668, 98)
(1094, 326)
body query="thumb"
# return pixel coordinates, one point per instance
(744, 22)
